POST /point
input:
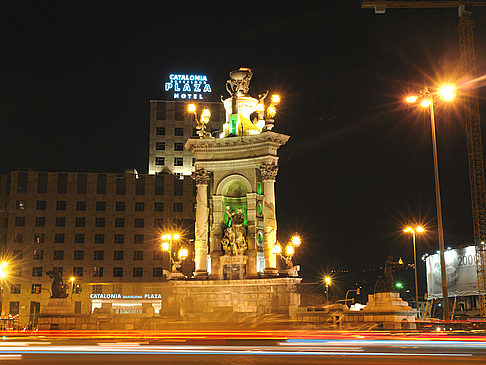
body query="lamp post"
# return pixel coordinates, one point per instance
(72, 279)
(182, 253)
(289, 252)
(328, 281)
(411, 230)
(426, 99)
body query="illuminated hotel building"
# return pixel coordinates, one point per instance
(103, 229)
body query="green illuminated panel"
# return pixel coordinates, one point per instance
(259, 188)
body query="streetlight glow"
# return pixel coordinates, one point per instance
(176, 236)
(276, 249)
(72, 278)
(411, 99)
(289, 250)
(408, 229)
(191, 108)
(296, 241)
(275, 98)
(271, 111)
(206, 115)
(420, 229)
(447, 92)
(260, 107)
(183, 253)
(165, 246)
(425, 102)
(328, 280)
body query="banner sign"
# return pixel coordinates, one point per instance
(123, 296)
(187, 87)
(462, 279)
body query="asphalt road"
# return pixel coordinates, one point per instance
(310, 347)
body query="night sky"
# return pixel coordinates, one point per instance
(77, 77)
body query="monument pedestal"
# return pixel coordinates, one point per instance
(232, 267)
(57, 314)
(389, 309)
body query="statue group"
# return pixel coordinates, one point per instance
(234, 238)
(58, 288)
(386, 285)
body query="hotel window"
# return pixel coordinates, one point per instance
(58, 255)
(137, 272)
(160, 110)
(179, 132)
(78, 289)
(62, 183)
(80, 222)
(99, 238)
(98, 273)
(158, 222)
(119, 222)
(138, 255)
(138, 238)
(97, 289)
(60, 221)
(118, 272)
(139, 222)
(19, 238)
(39, 237)
(178, 187)
(36, 289)
(20, 221)
(38, 255)
(160, 146)
(18, 255)
(140, 185)
(37, 272)
(59, 238)
(120, 184)
(139, 206)
(178, 207)
(101, 184)
(157, 272)
(79, 255)
(78, 271)
(100, 205)
(159, 207)
(82, 183)
(180, 111)
(120, 206)
(61, 205)
(99, 255)
(159, 184)
(160, 161)
(118, 255)
(119, 238)
(160, 131)
(22, 179)
(79, 238)
(100, 222)
(20, 205)
(178, 146)
(40, 205)
(14, 308)
(15, 288)
(178, 161)
(59, 269)
(42, 183)
(80, 205)
(158, 255)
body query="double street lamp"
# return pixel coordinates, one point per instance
(288, 254)
(426, 100)
(182, 253)
(413, 231)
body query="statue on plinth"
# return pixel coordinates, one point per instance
(386, 285)
(234, 239)
(59, 289)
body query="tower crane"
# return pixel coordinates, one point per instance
(472, 121)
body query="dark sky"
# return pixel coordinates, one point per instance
(77, 77)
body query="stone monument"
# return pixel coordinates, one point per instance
(236, 225)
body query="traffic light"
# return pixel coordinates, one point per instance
(358, 291)
(399, 285)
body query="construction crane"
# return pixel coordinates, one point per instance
(472, 119)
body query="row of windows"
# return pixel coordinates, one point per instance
(178, 131)
(82, 183)
(80, 238)
(99, 205)
(98, 272)
(178, 161)
(99, 222)
(178, 146)
(97, 255)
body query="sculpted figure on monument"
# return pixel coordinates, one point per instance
(386, 286)
(234, 238)
(59, 289)
(239, 81)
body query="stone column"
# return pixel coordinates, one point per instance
(269, 174)
(202, 178)
(251, 271)
(216, 235)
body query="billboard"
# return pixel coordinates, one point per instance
(187, 86)
(460, 271)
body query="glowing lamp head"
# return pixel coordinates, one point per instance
(408, 230)
(4, 264)
(271, 111)
(206, 115)
(399, 285)
(420, 229)
(183, 253)
(176, 236)
(289, 250)
(260, 107)
(296, 241)
(3, 274)
(165, 246)
(275, 99)
(425, 103)
(191, 108)
(72, 278)
(400, 261)
(447, 92)
(411, 99)
(276, 249)
(327, 280)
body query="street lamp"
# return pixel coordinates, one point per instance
(426, 98)
(202, 121)
(328, 281)
(288, 254)
(182, 253)
(418, 229)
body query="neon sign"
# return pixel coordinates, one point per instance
(123, 296)
(185, 87)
